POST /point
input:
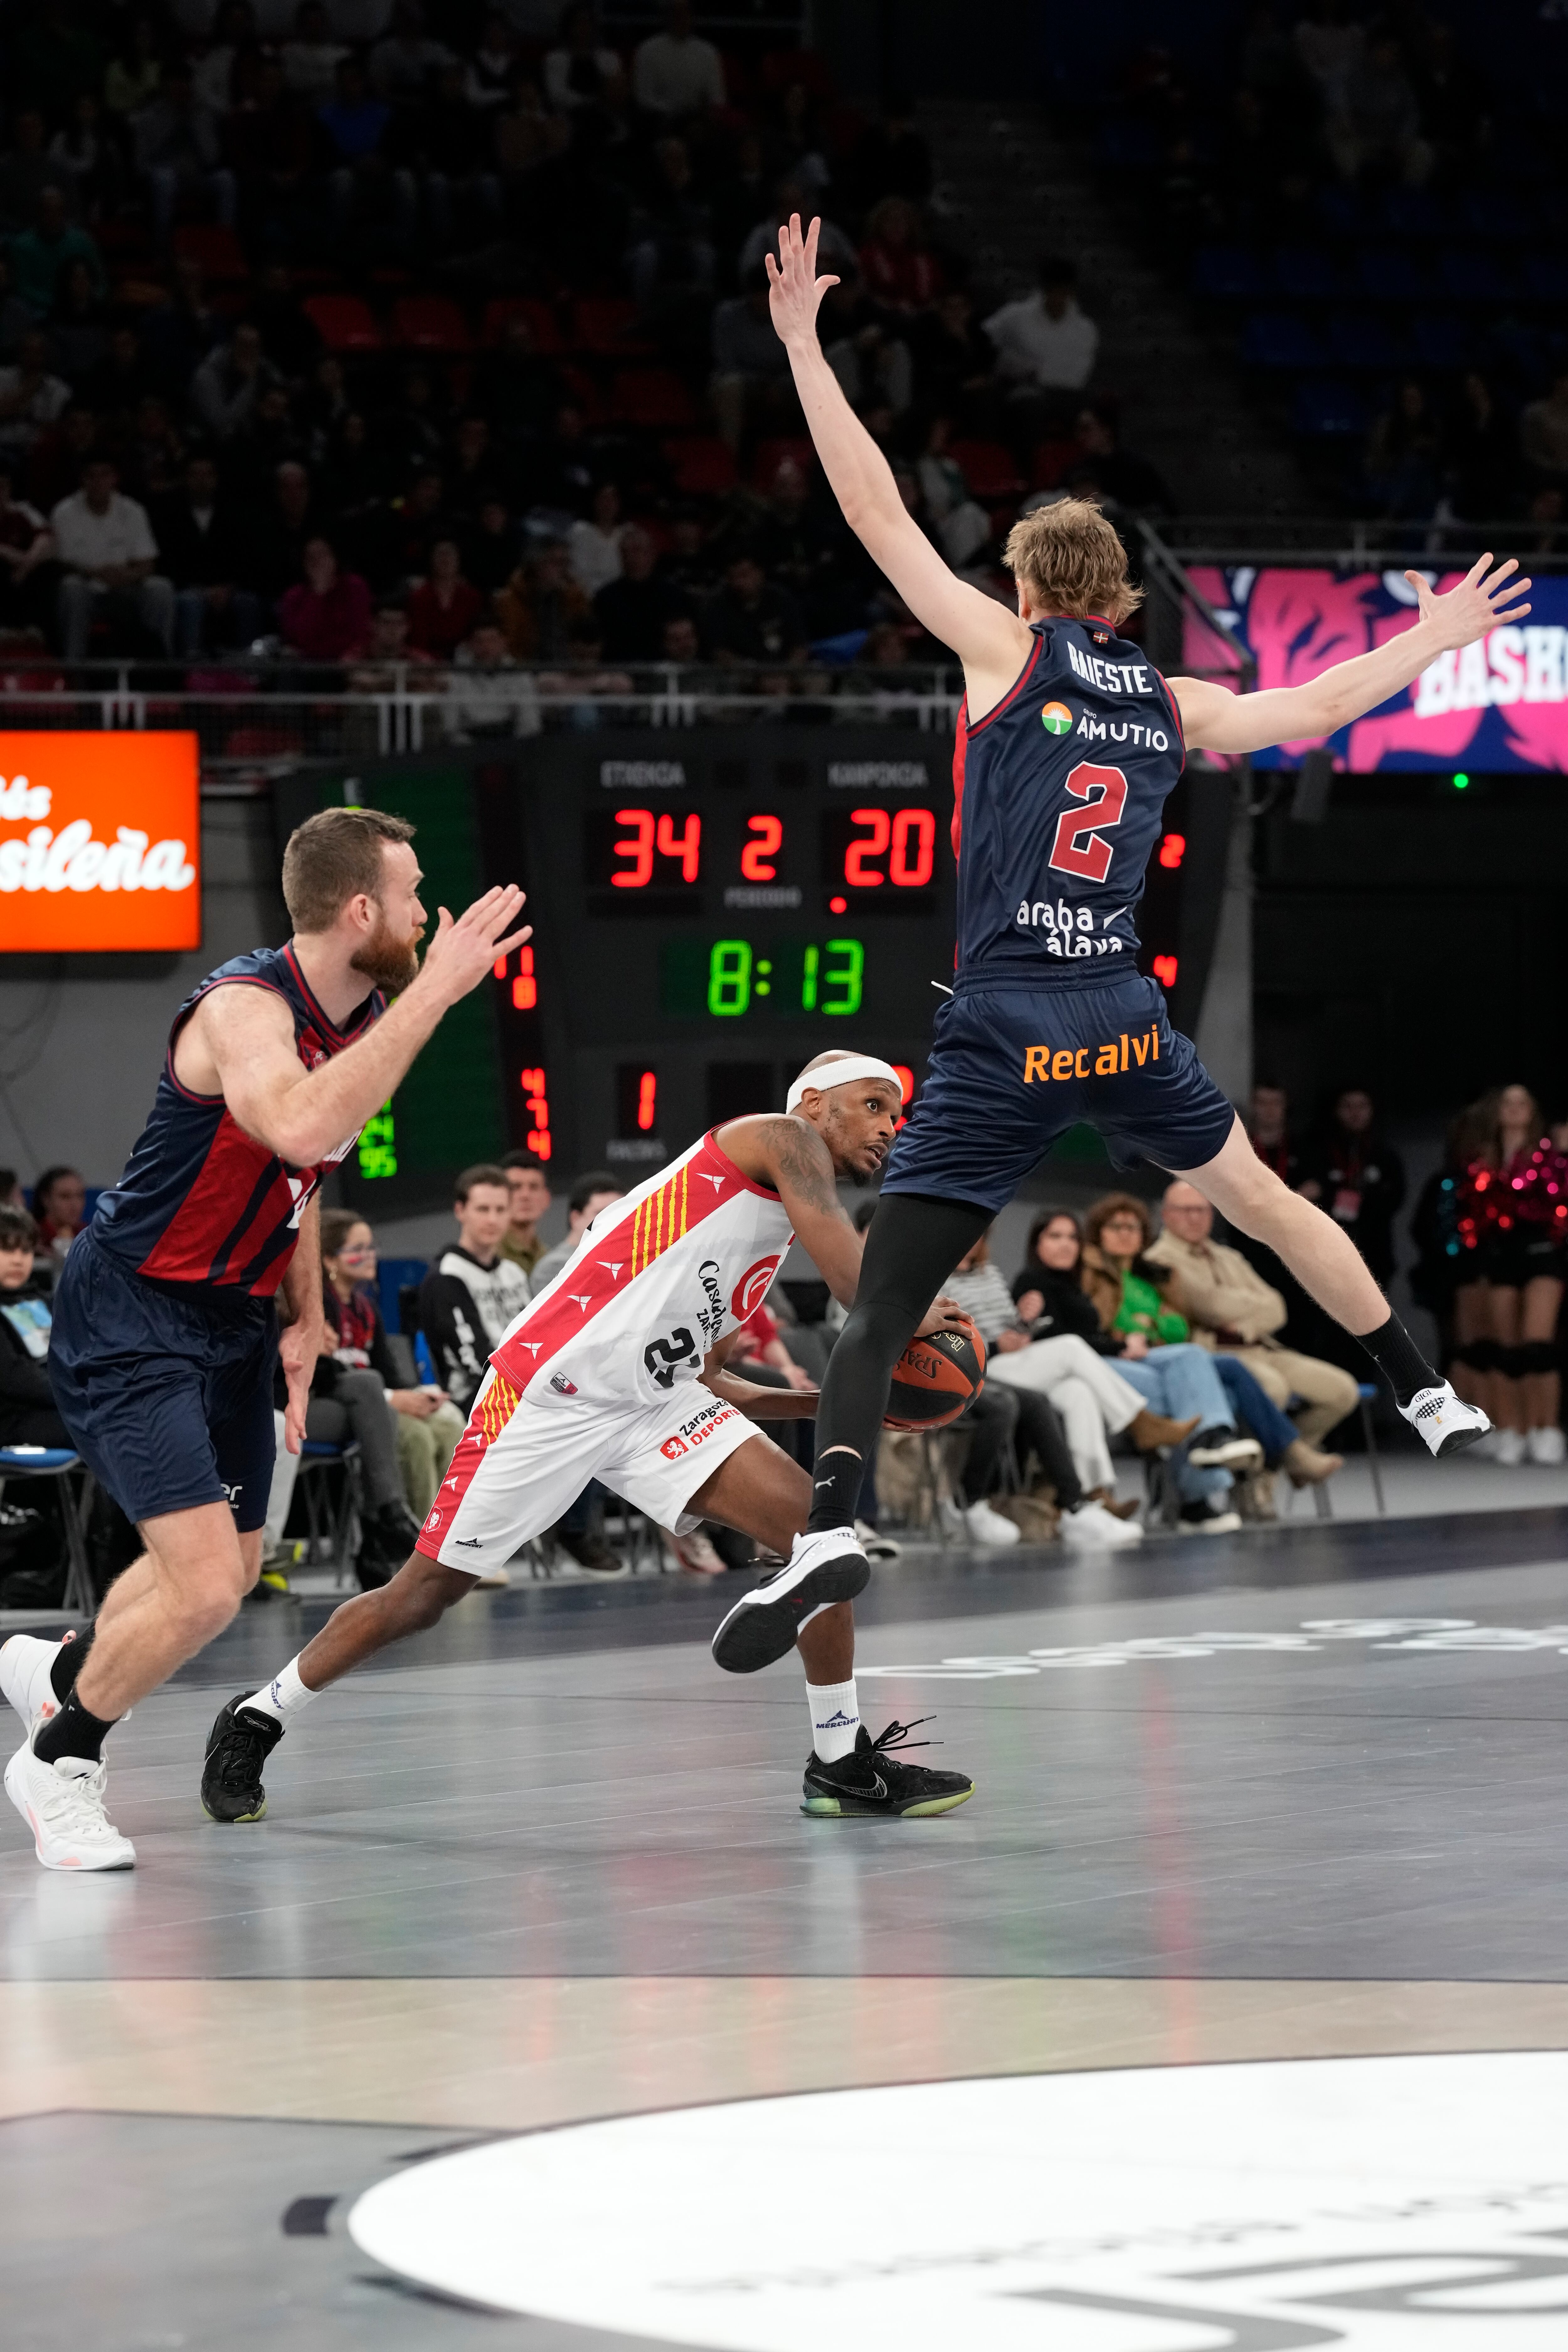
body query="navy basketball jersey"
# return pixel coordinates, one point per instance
(1057, 799)
(200, 1199)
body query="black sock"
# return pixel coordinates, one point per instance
(69, 1660)
(835, 1491)
(74, 1732)
(1399, 1359)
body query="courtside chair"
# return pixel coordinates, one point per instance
(58, 1462)
(332, 1512)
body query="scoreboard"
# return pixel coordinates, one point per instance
(710, 908)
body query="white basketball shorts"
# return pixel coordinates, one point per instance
(520, 1466)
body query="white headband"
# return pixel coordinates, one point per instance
(842, 1074)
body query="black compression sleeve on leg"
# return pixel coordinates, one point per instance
(1399, 1359)
(912, 1246)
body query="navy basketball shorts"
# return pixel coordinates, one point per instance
(166, 1391)
(1014, 1065)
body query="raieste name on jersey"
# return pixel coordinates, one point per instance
(657, 1280)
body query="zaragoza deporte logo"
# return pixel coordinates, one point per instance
(1057, 718)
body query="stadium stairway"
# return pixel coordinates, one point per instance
(1010, 191)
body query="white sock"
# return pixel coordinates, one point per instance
(834, 1718)
(284, 1695)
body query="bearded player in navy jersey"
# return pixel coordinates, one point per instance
(1069, 741)
(166, 1330)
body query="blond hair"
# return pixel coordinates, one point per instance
(1068, 557)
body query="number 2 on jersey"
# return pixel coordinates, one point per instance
(1078, 847)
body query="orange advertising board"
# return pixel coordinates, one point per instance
(100, 842)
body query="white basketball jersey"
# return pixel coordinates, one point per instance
(657, 1280)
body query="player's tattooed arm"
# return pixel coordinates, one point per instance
(800, 1169)
(1214, 719)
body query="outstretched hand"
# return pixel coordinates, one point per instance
(1479, 604)
(461, 952)
(795, 290)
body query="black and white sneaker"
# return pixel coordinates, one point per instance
(1225, 1449)
(1445, 1420)
(242, 1740)
(762, 1625)
(876, 1783)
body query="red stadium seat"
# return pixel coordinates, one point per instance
(605, 324)
(343, 322)
(429, 322)
(218, 250)
(654, 397)
(702, 467)
(987, 468)
(541, 317)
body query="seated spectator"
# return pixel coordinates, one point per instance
(899, 273)
(425, 1425)
(26, 170)
(960, 526)
(540, 605)
(448, 137)
(1480, 452)
(487, 693)
(105, 544)
(16, 319)
(952, 357)
(78, 327)
(31, 399)
(60, 455)
(29, 579)
(445, 607)
(41, 255)
(1109, 472)
(1230, 1306)
(279, 533)
(387, 651)
(326, 615)
(1543, 433)
(405, 62)
(524, 143)
(582, 76)
(675, 73)
(982, 1293)
(1375, 127)
(177, 334)
(472, 1292)
(154, 455)
(489, 75)
(528, 1200)
(595, 1191)
(892, 158)
(135, 71)
(178, 153)
(289, 335)
(1403, 455)
(476, 473)
(871, 362)
(491, 556)
(751, 386)
(632, 611)
(89, 163)
(311, 60)
(671, 250)
(226, 387)
(206, 554)
(751, 621)
(59, 1209)
(28, 1414)
(359, 176)
(680, 642)
(594, 543)
(1044, 343)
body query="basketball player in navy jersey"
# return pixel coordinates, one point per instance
(165, 1331)
(1069, 741)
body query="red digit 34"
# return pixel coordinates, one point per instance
(1078, 847)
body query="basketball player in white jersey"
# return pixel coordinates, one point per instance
(616, 1371)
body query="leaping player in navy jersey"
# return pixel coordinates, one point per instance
(165, 1332)
(1069, 741)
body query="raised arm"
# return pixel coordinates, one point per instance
(302, 1115)
(1214, 719)
(992, 642)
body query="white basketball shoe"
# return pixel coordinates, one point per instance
(24, 1668)
(62, 1803)
(1445, 1420)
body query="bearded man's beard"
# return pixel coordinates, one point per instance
(388, 962)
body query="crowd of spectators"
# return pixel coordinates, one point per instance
(1376, 195)
(371, 338)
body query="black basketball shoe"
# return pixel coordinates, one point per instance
(762, 1625)
(242, 1740)
(873, 1781)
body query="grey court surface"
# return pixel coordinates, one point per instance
(1333, 1753)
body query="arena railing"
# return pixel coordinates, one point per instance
(1342, 543)
(258, 716)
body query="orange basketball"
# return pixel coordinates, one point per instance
(935, 1378)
